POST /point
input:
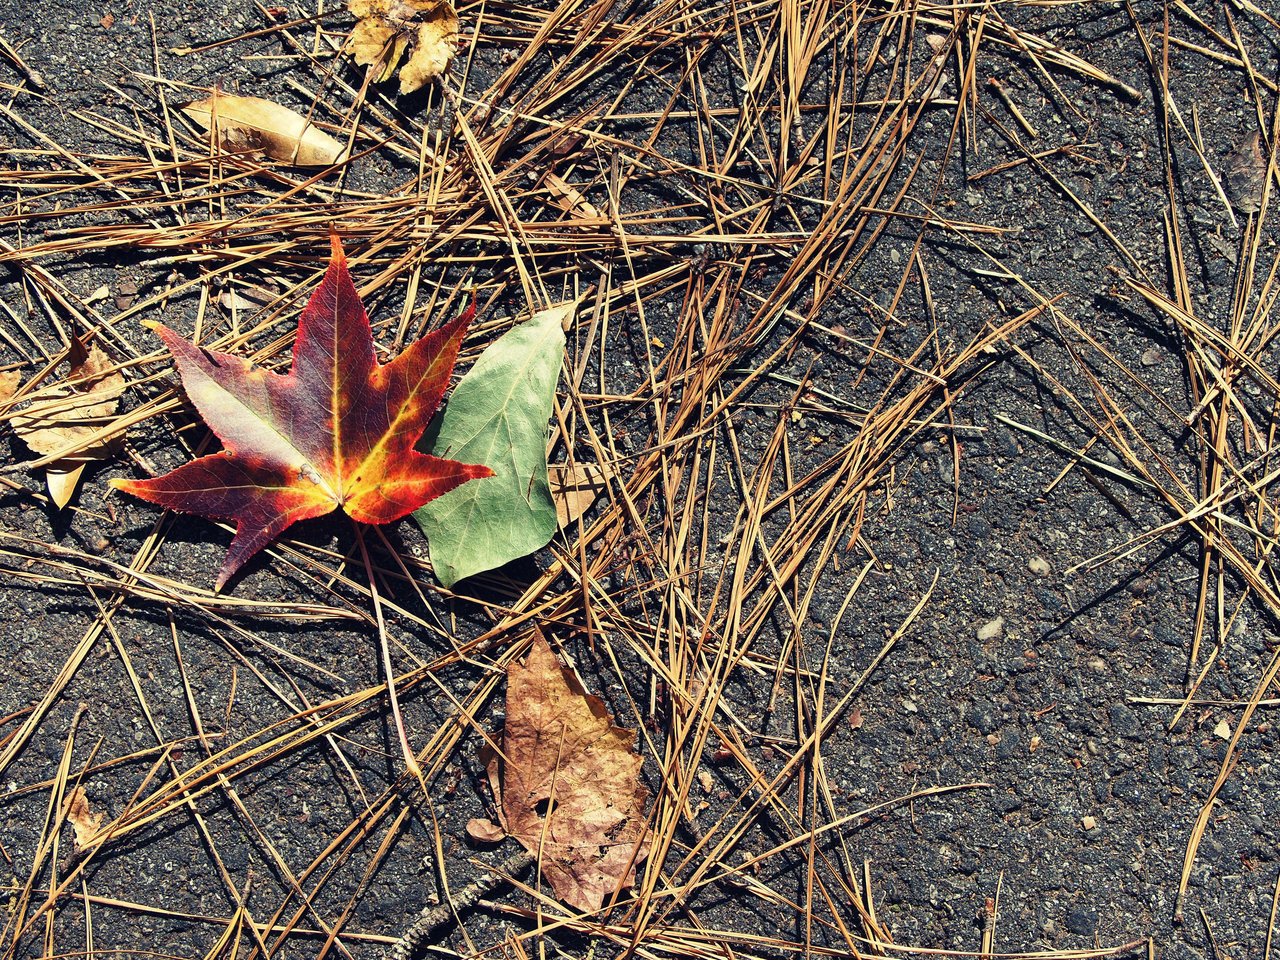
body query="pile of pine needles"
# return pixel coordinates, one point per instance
(709, 181)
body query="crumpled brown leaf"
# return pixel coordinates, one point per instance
(84, 822)
(426, 30)
(69, 413)
(569, 785)
(252, 123)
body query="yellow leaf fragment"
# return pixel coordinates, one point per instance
(68, 419)
(421, 33)
(575, 487)
(84, 822)
(251, 123)
(568, 782)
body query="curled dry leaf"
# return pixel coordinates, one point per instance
(569, 783)
(67, 418)
(84, 822)
(251, 123)
(423, 34)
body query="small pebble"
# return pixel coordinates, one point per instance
(1151, 356)
(991, 629)
(1039, 566)
(910, 706)
(1089, 823)
(1223, 730)
(126, 290)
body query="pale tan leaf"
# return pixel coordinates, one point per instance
(68, 416)
(251, 123)
(569, 786)
(575, 487)
(84, 822)
(74, 411)
(61, 478)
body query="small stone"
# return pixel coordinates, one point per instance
(1082, 921)
(126, 290)
(1151, 356)
(1223, 730)
(910, 706)
(983, 717)
(991, 629)
(1039, 566)
(1089, 823)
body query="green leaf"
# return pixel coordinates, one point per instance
(498, 416)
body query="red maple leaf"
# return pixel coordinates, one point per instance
(338, 430)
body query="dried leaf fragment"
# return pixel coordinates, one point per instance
(575, 487)
(1247, 174)
(84, 822)
(68, 418)
(425, 30)
(569, 782)
(484, 831)
(251, 123)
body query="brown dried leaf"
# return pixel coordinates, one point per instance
(576, 487)
(69, 413)
(1247, 174)
(251, 123)
(569, 786)
(484, 831)
(425, 30)
(84, 822)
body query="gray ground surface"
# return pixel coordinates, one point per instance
(1091, 800)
